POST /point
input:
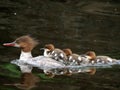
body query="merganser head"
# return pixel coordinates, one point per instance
(26, 43)
(67, 51)
(51, 47)
(91, 54)
(48, 48)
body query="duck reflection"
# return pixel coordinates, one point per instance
(27, 81)
(73, 70)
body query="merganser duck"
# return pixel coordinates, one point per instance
(99, 59)
(55, 53)
(27, 43)
(90, 55)
(73, 58)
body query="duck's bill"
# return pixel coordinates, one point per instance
(9, 44)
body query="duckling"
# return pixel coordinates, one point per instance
(99, 58)
(73, 58)
(55, 53)
(91, 57)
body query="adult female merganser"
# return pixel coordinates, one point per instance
(55, 53)
(99, 59)
(27, 43)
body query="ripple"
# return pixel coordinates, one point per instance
(102, 8)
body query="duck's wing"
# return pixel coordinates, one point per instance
(41, 62)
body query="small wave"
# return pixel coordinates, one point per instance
(58, 70)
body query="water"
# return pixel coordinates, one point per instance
(79, 25)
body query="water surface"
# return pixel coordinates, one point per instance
(79, 25)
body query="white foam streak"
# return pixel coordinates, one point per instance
(48, 64)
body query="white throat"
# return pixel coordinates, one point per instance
(46, 53)
(25, 55)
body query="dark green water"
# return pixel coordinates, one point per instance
(81, 25)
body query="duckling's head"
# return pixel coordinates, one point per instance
(26, 43)
(91, 54)
(67, 51)
(50, 47)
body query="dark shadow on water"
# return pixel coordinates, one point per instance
(27, 82)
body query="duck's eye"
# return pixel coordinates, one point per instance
(18, 42)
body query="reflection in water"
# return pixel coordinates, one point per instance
(28, 81)
(74, 70)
